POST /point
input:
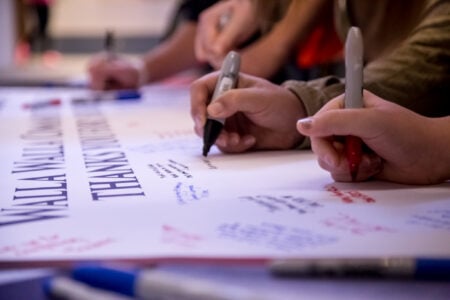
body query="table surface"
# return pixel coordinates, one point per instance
(27, 284)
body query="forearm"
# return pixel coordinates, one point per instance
(281, 41)
(173, 55)
(416, 74)
(314, 94)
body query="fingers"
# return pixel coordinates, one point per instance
(371, 165)
(232, 142)
(227, 104)
(96, 72)
(358, 122)
(208, 30)
(112, 74)
(201, 92)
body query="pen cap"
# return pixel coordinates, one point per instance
(433, 269)
(354, 68)
(231, 64)
(228, 74)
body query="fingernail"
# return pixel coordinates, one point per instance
(198, 121)
(221, 142)
(249, 140)
(234, 140)
(215, 108)
(305, 123)
(330, 161)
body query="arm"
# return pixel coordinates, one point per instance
(415, 75)
(265, 56)
(173, 55)
(268, 54)
(162, 61)
(213, 41)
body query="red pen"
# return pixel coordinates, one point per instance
(42, 104)
(353, 93)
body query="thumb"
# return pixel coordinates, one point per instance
(358, 122)
(236, 100)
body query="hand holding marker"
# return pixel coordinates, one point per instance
(353, 93)
(227, 80)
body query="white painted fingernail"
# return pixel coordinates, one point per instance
(306, 123)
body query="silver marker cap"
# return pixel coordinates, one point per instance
(354, 68)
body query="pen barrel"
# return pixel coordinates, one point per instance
(162, 285)
(228, 74)
(353, 152)
(353, 69)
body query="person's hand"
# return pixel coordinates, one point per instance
(117, 73)
(212, 43)
(407, 148)
(259, 115)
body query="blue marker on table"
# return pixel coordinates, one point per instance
(155, 284)
(118, 95)
(402, 267)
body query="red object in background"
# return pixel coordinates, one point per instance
(321, 47)
(42, 104)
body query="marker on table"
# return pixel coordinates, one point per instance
(397, 267)
(118, 95)
(154, 284)
(125, 95)
(353, 93)
(227, 80)
(69, 289)
(42, 104)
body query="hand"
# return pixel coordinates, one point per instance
(117, 73)
(213, 43)
(408, 148)
(259, 115)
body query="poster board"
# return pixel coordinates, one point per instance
(127, 181)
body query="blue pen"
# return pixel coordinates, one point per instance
(155, 284)
(120, 95)
(124, 95)
(404, 267)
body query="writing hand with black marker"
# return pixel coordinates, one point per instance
(259, 115)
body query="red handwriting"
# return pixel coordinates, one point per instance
(353, 225)
(172, 235)
(349, 196)
(54, 243)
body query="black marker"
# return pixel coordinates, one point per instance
(109, 47)
(109, 44)
(227, 80)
